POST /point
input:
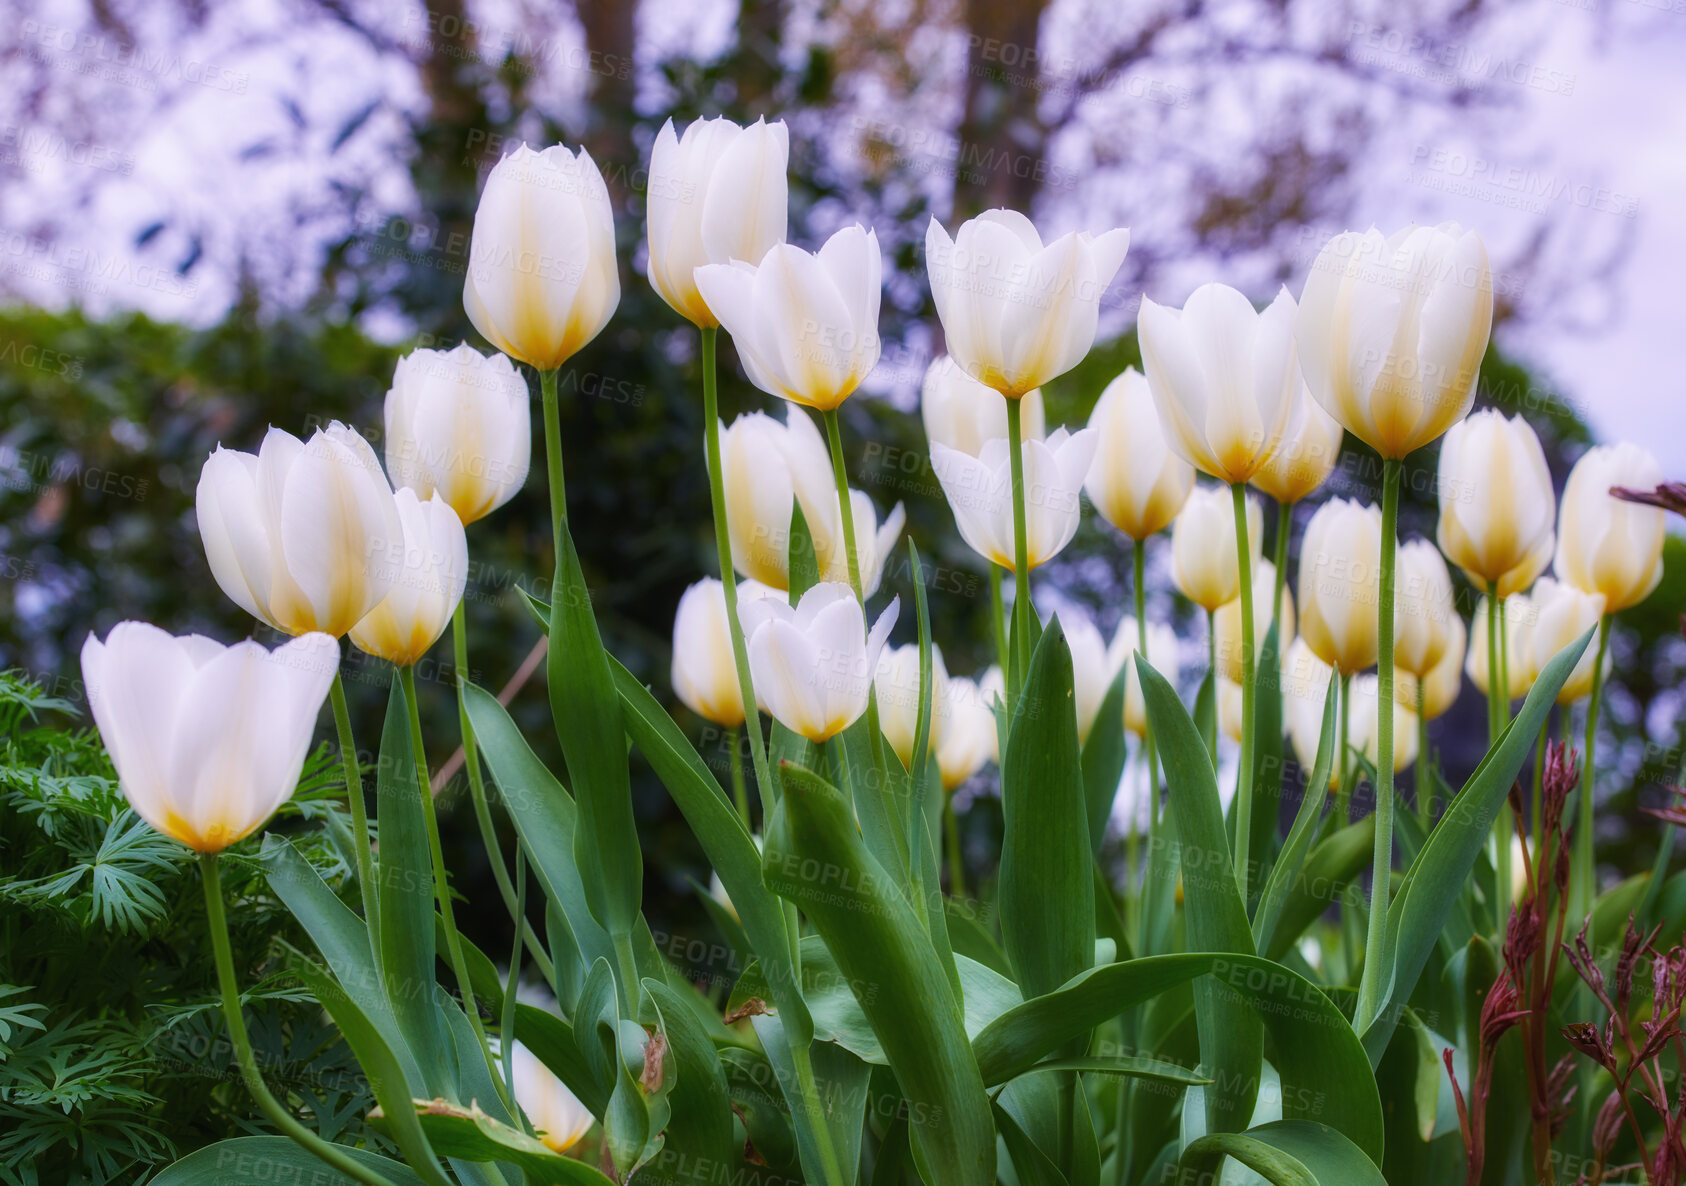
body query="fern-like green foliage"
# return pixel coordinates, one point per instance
(114, 1059)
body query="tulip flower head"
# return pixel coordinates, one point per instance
(1161, 654)
(1440, 687)
(1306, 454)
(813, 664)
(1391, 330)
(1562, 614)
(1423, 609)
(1305, 691)
(980, 492)
(295, 534)
(717, 193)
(457, 422)
(769, 467)
(1016, 313)
(1227, 622)
(542, 279)
(961, 413)
(705, 673)
(1136, 482)
(559, 1119)
(1517, 650)
(968, 738)
(1340, 584)
(207, 740)
(1605, 544)
(897, 685)
(805, 325)
(1496, 500)
(1223, 377)
(429, 570)
(1205, 565)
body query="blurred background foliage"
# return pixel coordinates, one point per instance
(105, 421)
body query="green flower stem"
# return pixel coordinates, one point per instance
(728, 577)
(1381, 870)
(1139, 566)
(1586, 875)
(441, 881)
(1504, 669)
(1212, 669)
(1425, 784)
(1244, 785)
(1493, 628)
(740, 793)
(1343, 793)
(482, 810)
(1284, 524)
(951, 835)
(834, 438)
(506, 1027)
(998, 619)
(553, 457)
(359, 813)
(331, 1154)
(1021, 547)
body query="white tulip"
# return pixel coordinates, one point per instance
(1093, 668)
(1305, 692)
(980, 492)
(1605, 544)
(559, 1119)
(294, 533)
(1496, 499)
(705, 673)
(1516, 654)
(1306, 454)
(1340, 584)
(961, 413)
(813, 665)
(1205, 564)
(1223, 377)
(1363, 716)
(1136, 482)
(1563, 614)
(1227, 622)
(806, 326)
(1016, 313)
(896, 682)
(1161, 653)
(429, 569)
(968, 732)
(1391, 332)
(457, 422)
(769, 467)
(716, 194)
(1230, 707)
(1423, 608)
(542, 279)
(207, 740)
(1441, 686)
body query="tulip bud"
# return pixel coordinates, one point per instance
(1563, 614)
(457, 423)
(1136, 482)
(1205, 564)
(542, 279)
(1092, 667)
(716, 194)
(897, 686)
(1161, 655)
(980, 492)
(1391, 332)
(1305, 689)
(1363, 717)
(1223, 377)
(769, 467)
(429, 569)
(705, 672)
(1606, 545)
(1440, 687)
(559, 1119)
(1423, 610)
(294, 534)
(1517, 653)
(1496, 500)
(1306, 454)
(1340, 584)
(207, 740)
(961, 413)
(813, 665)
(1016, 313)
(806, 326)
(968, 732)
(1227, 622)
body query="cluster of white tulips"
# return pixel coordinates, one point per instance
(313, 539)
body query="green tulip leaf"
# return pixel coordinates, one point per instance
(469, 1134)
(699, 1130)
(265, 1161)
(1286, 871)
(1332, 867)
(1267, 763)
(1103, 759)
(1284, 1153)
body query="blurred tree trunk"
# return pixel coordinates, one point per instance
(1002, 139)
(756, 67)
(610, 40)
